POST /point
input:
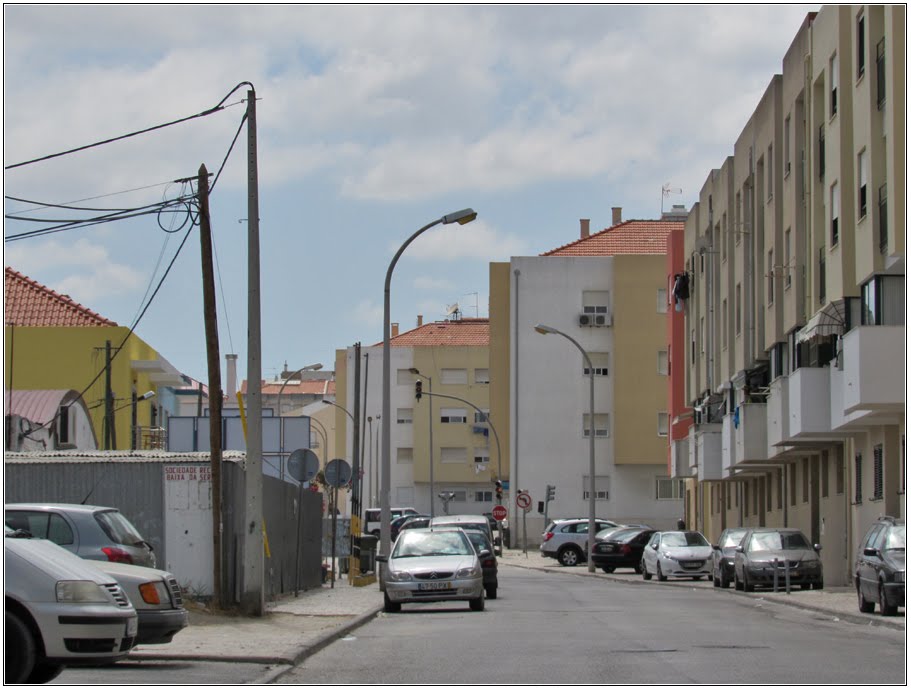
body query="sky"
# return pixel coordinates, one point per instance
(372, 121)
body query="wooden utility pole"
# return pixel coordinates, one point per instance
(213, 359)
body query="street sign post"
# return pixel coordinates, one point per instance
(523, 501)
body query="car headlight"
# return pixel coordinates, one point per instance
(473, 571)
(155, 593)
(667, 556)
(400, 576)
(80, 592)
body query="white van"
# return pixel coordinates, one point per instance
(372, 518)
(60, 611)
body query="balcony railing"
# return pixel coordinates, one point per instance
(150, 438)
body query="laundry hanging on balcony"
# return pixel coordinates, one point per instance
(681, 290)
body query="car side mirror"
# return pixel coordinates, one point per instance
(484, 553)
(739, 549)
(655, 546)
(870, 552)
(381, 558)
(817, 547)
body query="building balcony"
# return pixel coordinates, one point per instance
(809, 393)
(751, 433)
(728, 444)
(680, 459)
(873, 361)
(778, 416)
(708, 451)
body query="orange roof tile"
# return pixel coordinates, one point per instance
(28, 303)
(295, 387)
(462, 333)
(628, 237)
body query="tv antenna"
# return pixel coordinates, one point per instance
(667, 190)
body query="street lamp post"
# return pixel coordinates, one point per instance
(430, 432)
(461, 217)
(541, 328)
(309, 367)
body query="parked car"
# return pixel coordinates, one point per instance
(60, 610)
(372, 518)
(488, 560)
(566, 540)
(677, 554)
(432, 565)
(605, 534)
(97, 533)
(156, 597)
(879, 570)
(397, 523)
(415, 522)
(499, 539)
(621, 548)
(765, 550)
(723, 556)
(466, 522)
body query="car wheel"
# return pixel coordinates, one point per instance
(390, 606)
(738, 585)
(747, 585)
(44, 673)
(646, 575)
(661, 576)
(817, 585)
(862, 603)
(20, 654)
(715, 581)
(607, 569)
(723, 580)
(569, 557)
(477, 604)
(491, 592)
(884, 608)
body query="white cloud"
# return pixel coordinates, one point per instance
(436, 284)
(477, 240)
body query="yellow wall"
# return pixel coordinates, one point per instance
(640, 331)
(57, 358)
(500, 349)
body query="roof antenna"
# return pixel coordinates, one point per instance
(82, 503)
(667, 190)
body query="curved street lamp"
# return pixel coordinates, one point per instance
(461, 217)
(545, 330)
(309, 367)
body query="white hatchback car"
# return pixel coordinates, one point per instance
(677, 554)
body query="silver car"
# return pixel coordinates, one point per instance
(677, 554)
(567, 540)
(93, 532)
(432, 565)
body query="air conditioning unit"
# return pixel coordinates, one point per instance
(585, 319)
(602, 319)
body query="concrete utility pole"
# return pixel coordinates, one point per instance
(252, 594)
(110, 433)
(210, 316)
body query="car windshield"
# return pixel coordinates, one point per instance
(413, 543)
(683, 539)
(895, 538)
(732, 538)
(777, 541)
(118, 528)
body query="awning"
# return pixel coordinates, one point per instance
(830, 320)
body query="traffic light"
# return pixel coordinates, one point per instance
(551, 490)
(417, 389)
(499, 488)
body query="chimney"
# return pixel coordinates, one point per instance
(231, 390)
(616, 215)
(420, 320)
(395, 330)
(584, 231)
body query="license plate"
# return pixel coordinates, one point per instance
(425, 586)
(132, 626)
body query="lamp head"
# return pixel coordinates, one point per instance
(147, 395)
(314, 367)
(414, 371)
(544, 330)
(466, 215)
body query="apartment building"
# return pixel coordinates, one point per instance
(796, 315)
(608, 292)
(443, 443)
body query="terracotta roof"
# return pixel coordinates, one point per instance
(28, 303)
(628, 237)
(295, 387)
(461, 333)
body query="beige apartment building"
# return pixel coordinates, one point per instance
(796, 316)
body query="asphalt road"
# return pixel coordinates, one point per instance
(557, 628)
(162, 673)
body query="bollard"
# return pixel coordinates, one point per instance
(775, 576)
(787, 578)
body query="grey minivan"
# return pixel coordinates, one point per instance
(94, 532)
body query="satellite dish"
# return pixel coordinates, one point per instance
(453, 309)
(303, 464)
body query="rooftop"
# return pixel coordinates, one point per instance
(459, 333)
(28, 303)
(628, 237)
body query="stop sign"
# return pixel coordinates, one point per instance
(499, 513)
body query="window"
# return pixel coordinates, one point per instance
(862, 164)
(404, 454)
(482, 375)
(404, 415)
(63, 424)
(770, 272)
(805, 479)
(834, 208)
(481, 456)
(404, 377)
(662, 300)
(787, 146)
(599, 361)
(481, 417)
(881, 74)
(877, 473)
(861, 43)
(693, 346)
(50, 526)
(453, 415)
(453, 455)
(595, 301)
(458, 495)
(602, 428)
(662, 363)
(858, 478)
(454, 377)
(737, 309)
(833, 85)
(883, 221)
(787, 258)
(663, 420)
(667, 489)
(883, 301)
(483, 496)
(602, 490)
